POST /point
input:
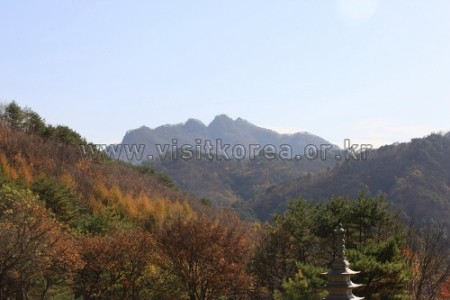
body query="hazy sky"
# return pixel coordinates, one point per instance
(368, 70)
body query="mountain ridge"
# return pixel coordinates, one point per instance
(222, 127)
(413, 176)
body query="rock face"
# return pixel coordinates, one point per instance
(339, 285)
(222, 130)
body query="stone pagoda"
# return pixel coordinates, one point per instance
(339, 284)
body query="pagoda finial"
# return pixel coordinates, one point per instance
(340, 241)
(339, 284)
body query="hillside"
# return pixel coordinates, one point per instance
(228, 182)
(47, 160)
(414, 176)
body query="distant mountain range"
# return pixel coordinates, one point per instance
(244, 139)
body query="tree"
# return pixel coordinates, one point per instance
(429, 259)
(207, 255)
(33, 123)
(384, 269)
(57, 197)
(67, 136)
(307, 284)
(14, 115)
(36, 251)
(290, 240)
(119, 266)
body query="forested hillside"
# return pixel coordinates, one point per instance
(414, 177)
(47, 160)
(73, 225)
(226, 182)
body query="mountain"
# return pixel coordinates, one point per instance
(414, 177)
(243, 138)
(254, 159)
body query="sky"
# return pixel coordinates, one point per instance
(370, 71)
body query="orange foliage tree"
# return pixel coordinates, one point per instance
(118, 266)
(208, 255)
(429, 260)
(36, 252)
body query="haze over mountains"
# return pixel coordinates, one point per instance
(222, 130)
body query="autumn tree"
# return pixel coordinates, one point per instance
(208, 255)
(119, 266)
(36, 251)
(429, 259)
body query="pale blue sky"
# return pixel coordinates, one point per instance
(369, 70)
